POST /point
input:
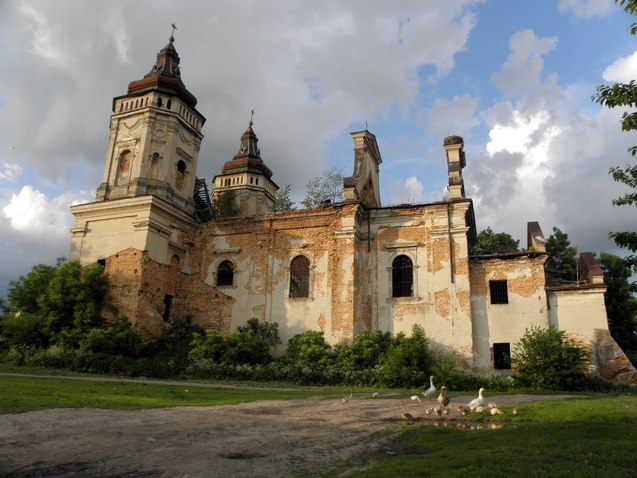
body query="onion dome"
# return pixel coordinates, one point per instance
(248, 159)
(165, 76)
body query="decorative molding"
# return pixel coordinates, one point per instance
(403, 245)
(230, 250)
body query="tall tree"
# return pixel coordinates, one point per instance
(327, 187)
(562, 261)
(54, 305)
(621, 305)
(624, 95)
(489, 242)
(283, 203)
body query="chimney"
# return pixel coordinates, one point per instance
(455, 161)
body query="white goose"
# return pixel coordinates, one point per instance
(477, 402)
(431, 390)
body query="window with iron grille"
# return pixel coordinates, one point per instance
(402, 277)
(502, 356)
(499, 292)
(300, 277)
(225, 273)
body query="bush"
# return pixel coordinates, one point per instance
(408, 360)
(369, 348)
(248, 344)
(308, 349)
(117, 338)
(173, 344)
(545, 358)
(53, 357)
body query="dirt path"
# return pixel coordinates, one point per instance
(279, 438)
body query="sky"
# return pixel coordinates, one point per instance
(514, 78)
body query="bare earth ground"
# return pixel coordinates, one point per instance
(279, 438)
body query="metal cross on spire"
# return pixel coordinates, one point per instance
(172, 34)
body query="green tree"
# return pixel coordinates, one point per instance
(327, 187)
(624, 95)
(283, 203)
(621, 305)
(546, 358)
(55, 304)
(562, 261)
(489, 242)
(225, 205)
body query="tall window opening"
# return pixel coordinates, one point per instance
(300, 277)
(499, 292)
(123, 168)
(225, 273)
(502, 356)
(402, 277)
(168, 301)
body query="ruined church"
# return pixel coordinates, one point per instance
(343, 268)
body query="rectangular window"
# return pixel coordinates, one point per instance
(499, 292)
(502, 356)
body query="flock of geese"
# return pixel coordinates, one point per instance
(477, 405)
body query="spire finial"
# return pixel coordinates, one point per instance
(365, 125)
(251, 117)
(172, 34)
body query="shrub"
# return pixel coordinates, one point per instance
(545, 358)
(248, 344)
(308, 348)
(408, 360)
(369, 348)
(174, 343)
(117, 338)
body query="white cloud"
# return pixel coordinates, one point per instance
(9, 171)
(622, 70)
(522, 70)
(31, 213)
(457, 116)
(586, 8)
(308, 70)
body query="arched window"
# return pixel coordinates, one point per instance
(181, 166)
(225, 273)
(123, 168)
(300, 277)
(402, 277)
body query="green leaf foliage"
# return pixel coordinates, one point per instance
(62, 302)
(309, 348)
(116, 338)
(282, 202)
(327, 187)
(249, 344)
(562, 262)
(546, 358)
(624, 95)
(408, 360)
(225, 205)
(489, 242)
(621, 304)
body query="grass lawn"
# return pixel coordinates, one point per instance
(592, 437)
(21, 394)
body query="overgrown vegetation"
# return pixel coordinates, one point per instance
(53, 319)
(546, 358)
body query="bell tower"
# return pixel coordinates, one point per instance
(155, 135)
(248, 178)
(145, 199)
